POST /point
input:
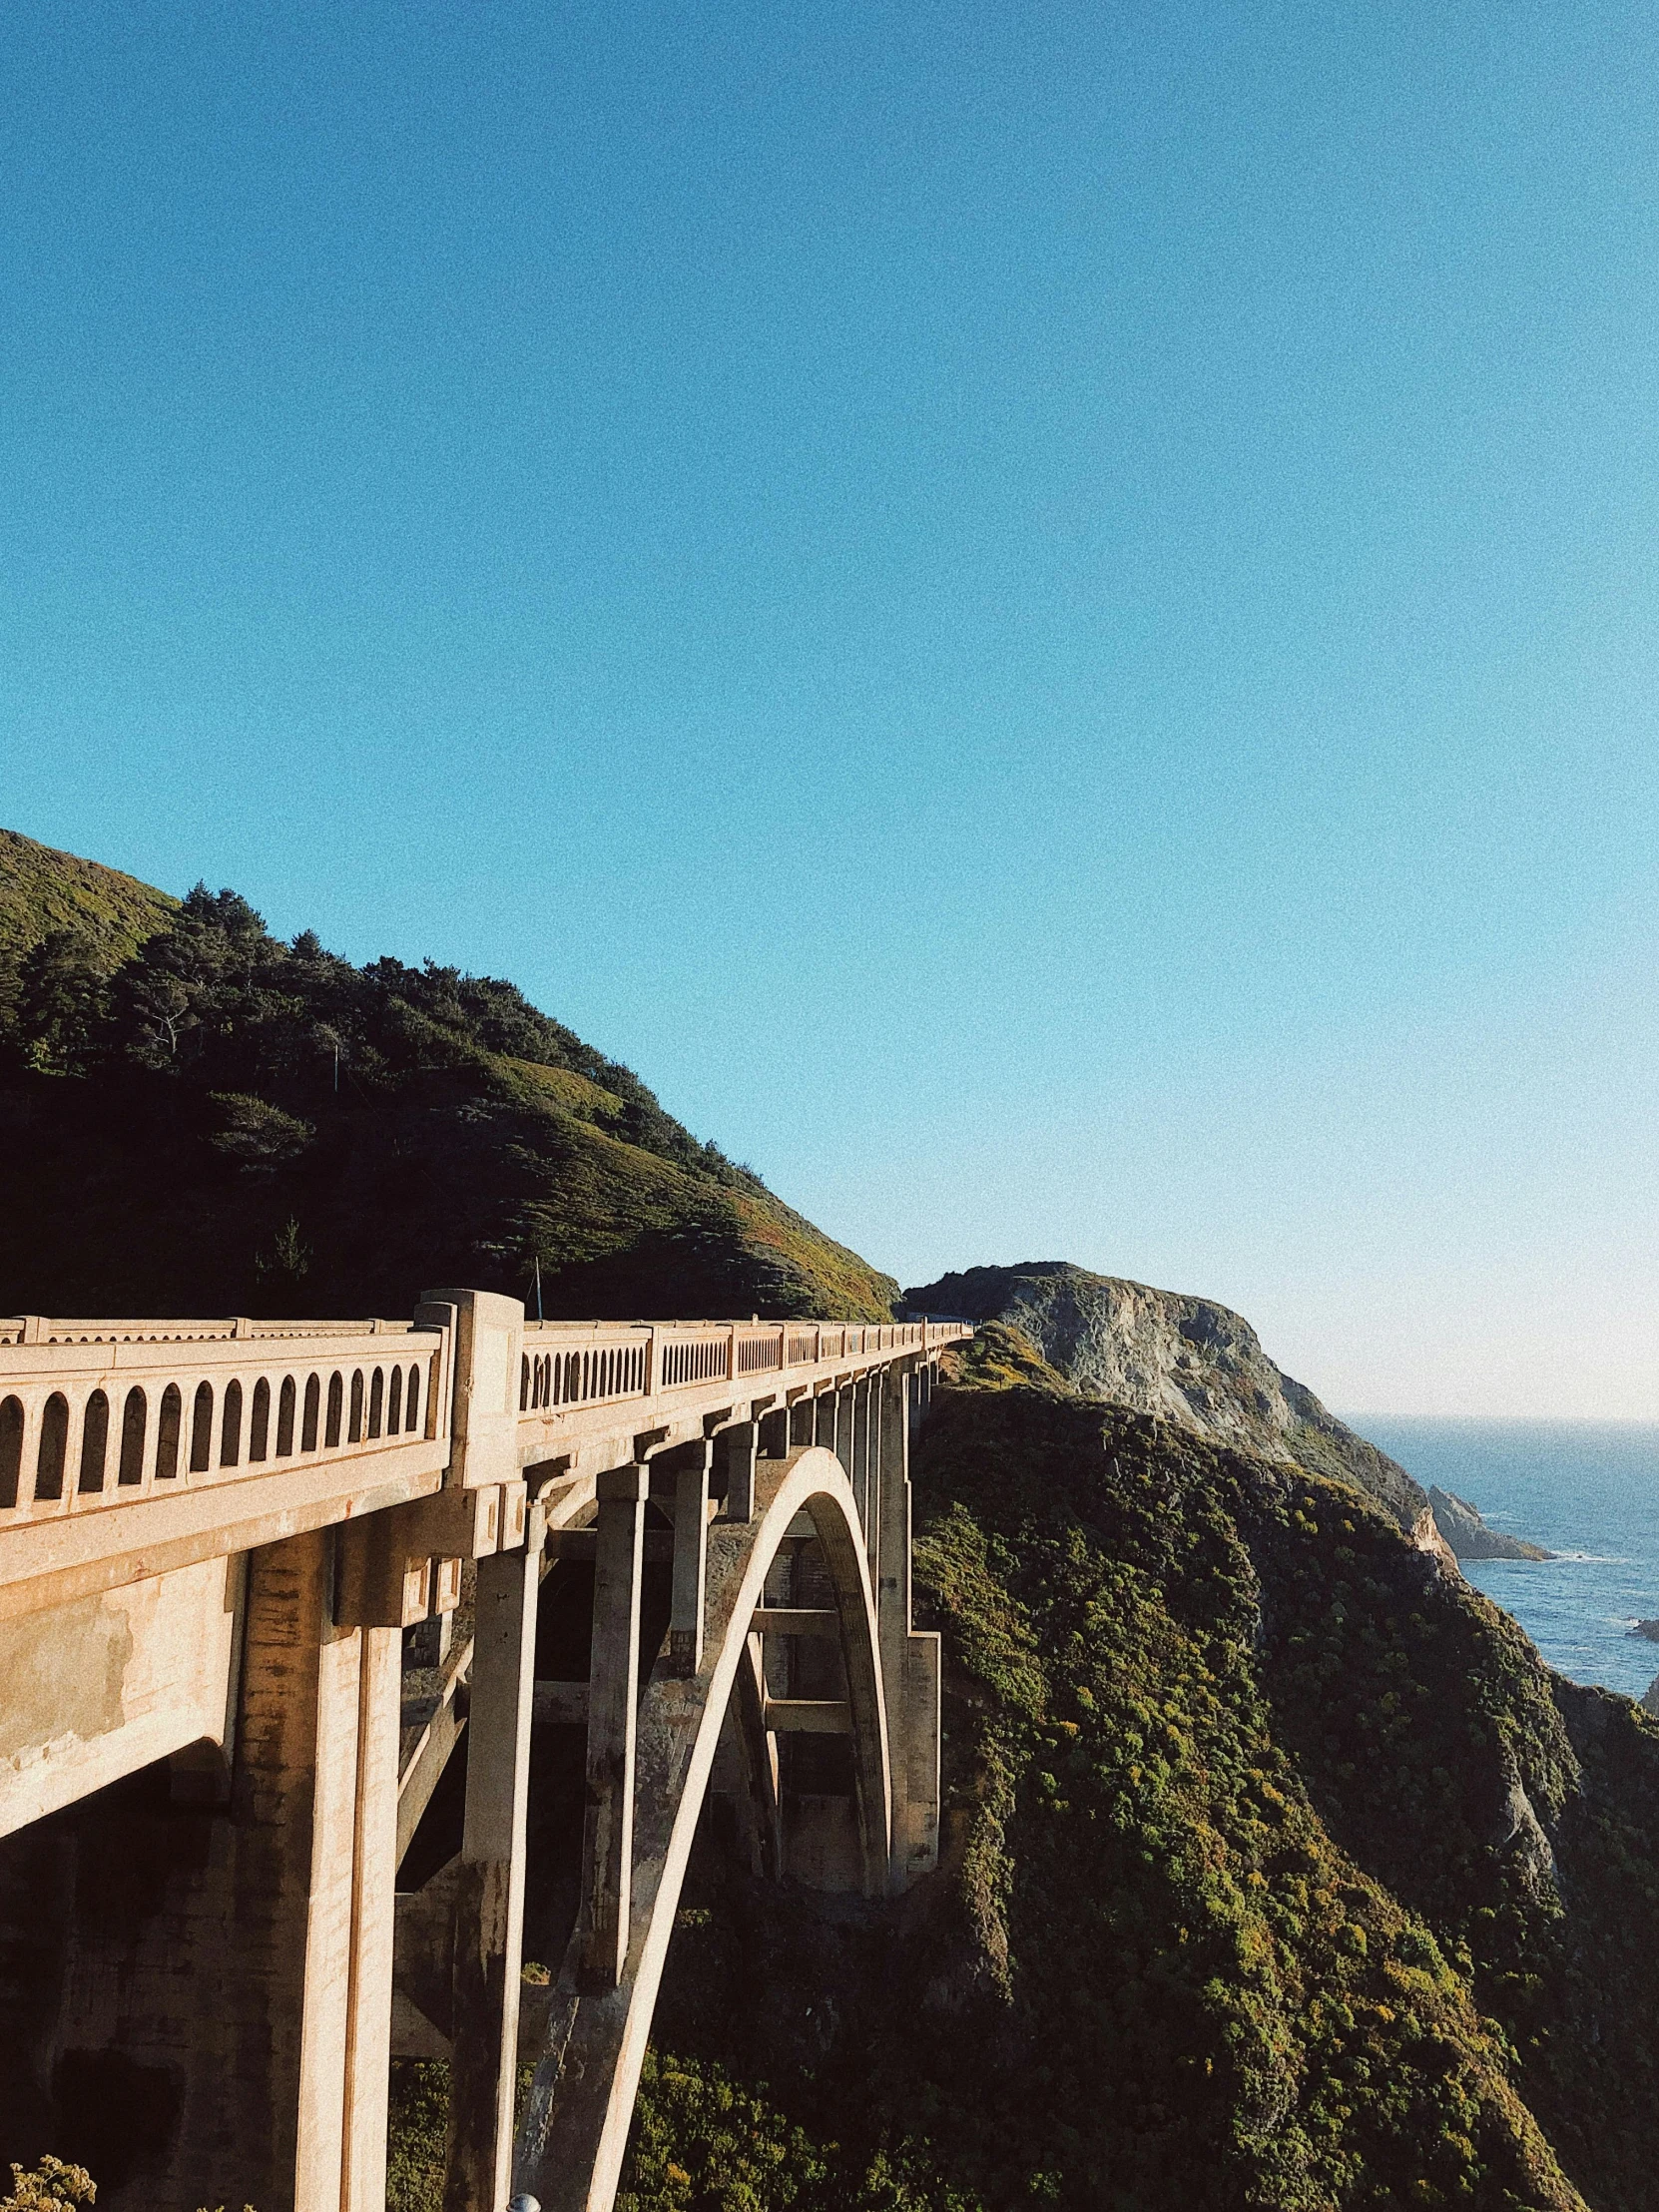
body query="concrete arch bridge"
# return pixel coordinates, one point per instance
(330, 1650)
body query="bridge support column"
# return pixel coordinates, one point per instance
(735, 1449)
(373, 1911)
(863, 1401)
(825, 1408)
(910, 1660)
(880, 1389)
(613, 1709)
(846, 1414)
(261, 1977)
(489, 1901)
(690, 1545)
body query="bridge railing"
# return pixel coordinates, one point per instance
(570, 1368)
(129, 1447)
(98, 1415)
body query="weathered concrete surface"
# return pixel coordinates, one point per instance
(97, 1689)
(250, 1972)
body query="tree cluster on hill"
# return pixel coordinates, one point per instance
(215, 1001)
(200, 1117)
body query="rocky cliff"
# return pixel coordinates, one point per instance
(1186, 1359)
(1463, 1529)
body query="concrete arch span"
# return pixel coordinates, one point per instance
(575, 2129)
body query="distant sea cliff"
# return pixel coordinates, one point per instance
(1191, 1360)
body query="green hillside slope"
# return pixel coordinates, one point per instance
(1280, 1873)
(97, 917)
(43, 890)
(212, 1121)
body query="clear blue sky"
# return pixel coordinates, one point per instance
(1045, 615)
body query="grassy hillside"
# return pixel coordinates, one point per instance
(100, 915)
(211, 1120)
(1280, 1873)
(43, 890)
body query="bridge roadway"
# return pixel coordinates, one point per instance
(260, 1580)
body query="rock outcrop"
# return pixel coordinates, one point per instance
(1187, 1358)
(1460, 1524)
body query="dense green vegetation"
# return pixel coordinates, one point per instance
(1280, 1873)
(198, 1116)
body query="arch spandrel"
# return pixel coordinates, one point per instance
(575, 2128)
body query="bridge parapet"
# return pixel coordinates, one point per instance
(575, 1378)
(129, 1447)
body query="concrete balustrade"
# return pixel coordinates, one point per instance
(214, 1537)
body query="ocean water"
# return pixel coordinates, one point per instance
(1588, 1491)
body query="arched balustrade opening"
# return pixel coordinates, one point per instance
(167, 1425)
(53, 1455)
(134, 1415)
(201, 1429)
(230, 1429)
(94, 1440)
(258, 1423)
(11, 1450)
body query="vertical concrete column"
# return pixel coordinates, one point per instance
(691, 1549)
(261, 1980)
(374, 1883)
(892, 1588)
(489, 1898)
(880, 1384)
(910, 1660)
(846, 1404)
(736, 1450)
(264, 1931)
(613, 1706)
(869, 1450)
